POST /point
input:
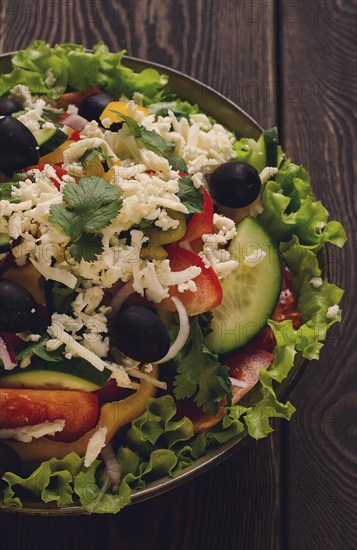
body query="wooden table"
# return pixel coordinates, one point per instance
(290, 63)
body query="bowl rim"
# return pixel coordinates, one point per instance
(224, 450)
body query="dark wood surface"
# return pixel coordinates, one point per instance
(285, 62)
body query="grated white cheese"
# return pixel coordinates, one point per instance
(95, 445)
(333, 312)
(27, 433)
(316, 282)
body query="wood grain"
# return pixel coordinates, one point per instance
(319, 131)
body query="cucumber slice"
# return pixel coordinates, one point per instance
(5, 245)
(76, 374)
(271, 140)
(49, 139)
(250, 292)
(263, 152)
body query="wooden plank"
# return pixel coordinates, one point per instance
(319, 73)
(230, 46)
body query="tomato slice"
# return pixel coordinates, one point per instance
(245, 368)
(201, 222)
(75, 98)
(209, 288)
(112, 392)
(60, 172)
(286, 308)
(25, 407)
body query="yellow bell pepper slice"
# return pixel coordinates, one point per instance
(111, 172)
(120, 106)
(56, 156)
(112, 416)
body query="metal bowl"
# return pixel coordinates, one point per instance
(234, 118)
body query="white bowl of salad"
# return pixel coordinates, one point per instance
(160, 281)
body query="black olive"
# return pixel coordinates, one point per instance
(9, 460)
(140, 334)
(9, 106)
(18, 310)
(93, 105)
(234, 184)
(18, 146)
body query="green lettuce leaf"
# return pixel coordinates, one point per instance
(290, 208)
(52, 71)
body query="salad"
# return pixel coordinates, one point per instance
(158, 276)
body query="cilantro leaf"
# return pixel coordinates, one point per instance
(91, 192)
(189, 195)
(199, 372)
(65, 218)
(177, 163)
(88, 206)
(88, 247)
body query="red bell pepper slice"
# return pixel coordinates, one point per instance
(60, 172)
(201, 222)
(27, 407)
(209, 289)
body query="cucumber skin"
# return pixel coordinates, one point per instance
(238, 338)
(54, 139)
(74, 374)
(5, 245)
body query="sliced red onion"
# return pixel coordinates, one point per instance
(75, 122)
(112, 467)
(121, 296)
(183, 332)
(7, 354)
(136, 373)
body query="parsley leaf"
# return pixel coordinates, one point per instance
(88, 206)
(189, 195)
(199, 373)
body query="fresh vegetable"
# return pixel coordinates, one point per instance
(90, 205)
(18, 146)
(75, 98)
(242, 314)
(49, 139)
(201, 222)
(115, 236)
(42, 374)
(209, 289)
(27, 407)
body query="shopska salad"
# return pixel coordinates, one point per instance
(158, 276)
